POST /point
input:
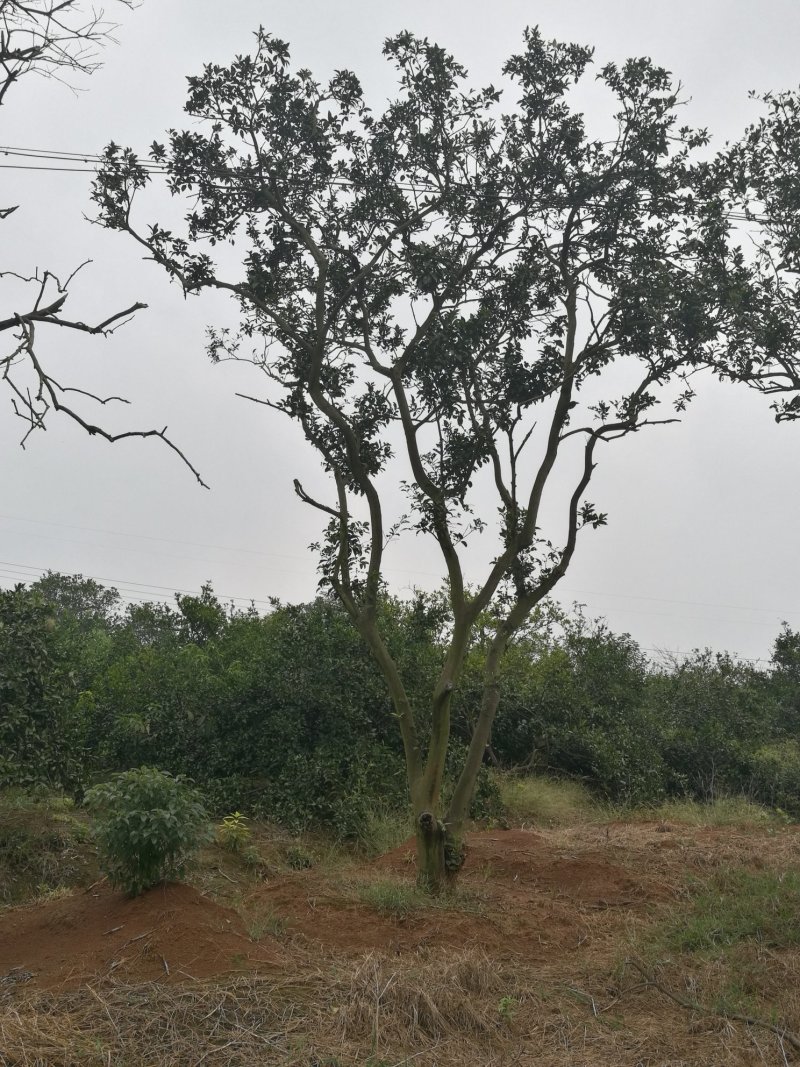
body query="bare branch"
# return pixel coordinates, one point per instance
(51, 38)
(314, 503)
(34, 405)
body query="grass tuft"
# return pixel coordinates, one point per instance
(382, 830)
(393, 899)
(268, 925)
(397, 899)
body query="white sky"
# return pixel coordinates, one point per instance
(701, 547)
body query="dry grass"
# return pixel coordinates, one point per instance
(724, 811)
(438, 1010)
(325, 1013)
(537, 801)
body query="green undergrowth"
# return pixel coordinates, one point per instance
(735, 906)
(537, 800)
(728, 945)
(723, 811)
(44, 847)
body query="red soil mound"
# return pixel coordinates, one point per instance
(519, 895)
(170, 933)
(523, 860)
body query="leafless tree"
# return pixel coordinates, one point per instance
(54, 39)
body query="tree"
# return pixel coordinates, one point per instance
(82, 602)
(54, 39)
(761, 177)
(40, 735)
(462, 297)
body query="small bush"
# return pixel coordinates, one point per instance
(148, 824)
(775, 776)
(233, 833)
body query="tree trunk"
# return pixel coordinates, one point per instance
(431, 870)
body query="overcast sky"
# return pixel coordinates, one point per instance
(702, 543)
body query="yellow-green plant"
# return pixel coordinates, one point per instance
(233, 832)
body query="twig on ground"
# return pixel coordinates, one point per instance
(693, 1005)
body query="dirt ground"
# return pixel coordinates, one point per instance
(533, 961)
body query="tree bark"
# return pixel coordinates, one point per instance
(431, 870)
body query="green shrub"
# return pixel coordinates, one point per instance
(41, 737)
(148, 824)
(775, 776)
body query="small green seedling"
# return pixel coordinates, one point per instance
(507, 1007)
(233, 833)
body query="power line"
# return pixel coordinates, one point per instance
(138, 596)
(398, 570)
(62, 170)
(671, 600)
(161, 169)
(16, 571)
(686, 655)
(22, 568)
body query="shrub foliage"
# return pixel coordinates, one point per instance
(284, 716)
(148, 824)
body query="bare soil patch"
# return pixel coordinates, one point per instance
(520, 894)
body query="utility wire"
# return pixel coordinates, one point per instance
(36, 572)
(160, 169)
(274, 555)
(15, 571)
(139, 597)
(403, 570)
